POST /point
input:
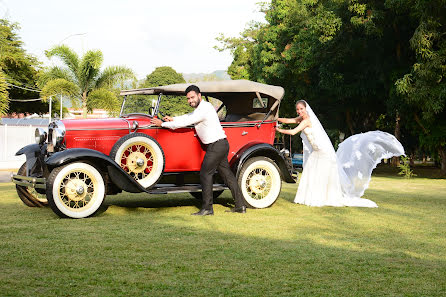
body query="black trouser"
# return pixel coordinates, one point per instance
(217, 158)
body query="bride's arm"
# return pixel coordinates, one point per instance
(289, 120)
(302, 125)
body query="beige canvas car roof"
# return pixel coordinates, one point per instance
(216, 89)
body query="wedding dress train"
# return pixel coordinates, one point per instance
(340, 178)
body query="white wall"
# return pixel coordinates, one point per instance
(13, 138)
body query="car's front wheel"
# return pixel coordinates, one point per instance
(76, 190)
(260, 182)
(29, 196)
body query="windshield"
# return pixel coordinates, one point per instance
(169, 105)
(139, 104)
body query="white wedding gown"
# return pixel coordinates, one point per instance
(340, 179)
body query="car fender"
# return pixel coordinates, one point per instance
(117, 175)
(34, 159)
(31, 148)
(261, 149)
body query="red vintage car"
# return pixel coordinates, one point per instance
(79, 162)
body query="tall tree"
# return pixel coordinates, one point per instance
(341, 56)
(424, 87)
(241, 49)
(19, 71)
(165, 75)
(82, 78)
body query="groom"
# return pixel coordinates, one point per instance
(208, 128)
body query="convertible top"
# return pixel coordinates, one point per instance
(215, 89)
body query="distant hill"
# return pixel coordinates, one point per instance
(216, 75)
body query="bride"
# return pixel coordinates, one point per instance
(339, 178)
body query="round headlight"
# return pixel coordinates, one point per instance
(40, 135)
(57, 136)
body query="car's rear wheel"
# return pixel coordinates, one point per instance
(76, 190)
(199, 195)
(141, 157)
(260, 182)
(29, 196)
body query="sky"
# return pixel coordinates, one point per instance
(140, 34)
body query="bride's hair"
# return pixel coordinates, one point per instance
(302, 102)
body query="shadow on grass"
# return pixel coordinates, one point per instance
(133, 201)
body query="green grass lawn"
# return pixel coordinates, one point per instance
(150, 245)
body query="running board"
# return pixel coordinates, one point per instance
(172, 188)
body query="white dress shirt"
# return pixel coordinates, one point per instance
(205, 120)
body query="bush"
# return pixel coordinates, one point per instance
(405, 168)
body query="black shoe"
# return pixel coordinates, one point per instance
(241, 209)
(203, 212)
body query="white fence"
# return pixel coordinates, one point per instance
(13, 138)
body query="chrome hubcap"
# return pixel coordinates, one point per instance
(80, 190)
(140, 162)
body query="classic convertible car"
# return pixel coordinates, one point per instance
(78, 162)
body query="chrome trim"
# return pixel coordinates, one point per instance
(244, 124)
(125, 120)
(29, 181)
(60, 125)
(234, 125)
(135, 126)
(157, 105)
(40, 135)
(56, 134)
(122, 105)
(129, 129)
(127, 115)
(57, 137)
(148, 127)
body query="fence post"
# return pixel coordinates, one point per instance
(31, 134)
(5, 136)
(51, 101)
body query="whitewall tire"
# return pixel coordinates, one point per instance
(76, 190)
(260, 182)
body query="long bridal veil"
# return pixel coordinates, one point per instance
(357, 156)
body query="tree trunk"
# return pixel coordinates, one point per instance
(84, 104)
(397, 133)
(442, 152)
(412, 160)
(348, 119)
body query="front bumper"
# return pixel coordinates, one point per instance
(29, 181)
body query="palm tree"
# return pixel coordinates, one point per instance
(82, 78)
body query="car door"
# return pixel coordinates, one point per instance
(182, 148)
